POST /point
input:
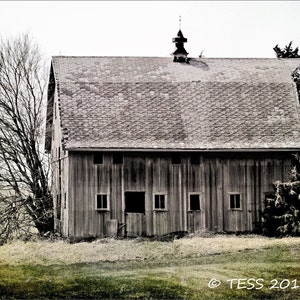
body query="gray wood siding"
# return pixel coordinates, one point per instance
(213, 179)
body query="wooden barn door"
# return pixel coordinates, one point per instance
(135, 213)
(195, 216)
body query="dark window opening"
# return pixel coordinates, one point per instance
(194, 202)
(59, 182)
(58, 206)
(98, 158)
(160, 202)
(235, 201)
(176, 160)
(117, 158)
(102, 202)
(195, 159)
(65, 201)
(135, 202)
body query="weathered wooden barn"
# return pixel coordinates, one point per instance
(153, 145)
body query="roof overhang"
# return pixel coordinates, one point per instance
(82, 149)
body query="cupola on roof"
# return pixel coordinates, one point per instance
(180, 54)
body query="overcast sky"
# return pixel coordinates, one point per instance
(146, 28)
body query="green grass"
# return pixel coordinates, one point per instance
(178, 273)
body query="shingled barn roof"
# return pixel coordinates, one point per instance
(145, 103)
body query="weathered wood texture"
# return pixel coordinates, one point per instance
(213, 178)
(60, 175)
(135, 224)
(111, 226)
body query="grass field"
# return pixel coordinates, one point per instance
(142, 269)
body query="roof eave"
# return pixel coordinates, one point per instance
(78, 149)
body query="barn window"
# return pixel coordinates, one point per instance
(235, 201)
(194, 202)
(135, 202)
(195, 159)
(98, 158)
(160, 202)
(176, 160)
(117, 158)
(102, 202)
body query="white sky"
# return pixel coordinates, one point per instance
(146, 28)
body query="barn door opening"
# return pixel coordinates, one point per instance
(135, 213)
(195, 219)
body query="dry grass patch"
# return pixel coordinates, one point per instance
(112, 250)
(144, 269)
(229, 243)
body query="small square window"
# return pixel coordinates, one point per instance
(160, 202)
(102, 202)
(194, 202)
(235, 201)
(176, 160)
(195, 159)
(117, 158)
(98, 158)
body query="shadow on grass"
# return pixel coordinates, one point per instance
(91, 288)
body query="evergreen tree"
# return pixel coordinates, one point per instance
(282, 210)
(287, 51)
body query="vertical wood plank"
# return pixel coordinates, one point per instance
(248, 192)
(201, 186)
(148, 196)
(207, 193)
(91, 214)
(219, 194)
(213, 193)
(225, 193)
(71, 198)
(183, 201)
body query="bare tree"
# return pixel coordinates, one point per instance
(25, 194)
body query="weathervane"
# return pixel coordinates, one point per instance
(179, 54)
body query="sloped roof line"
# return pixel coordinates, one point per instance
(256, 111)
